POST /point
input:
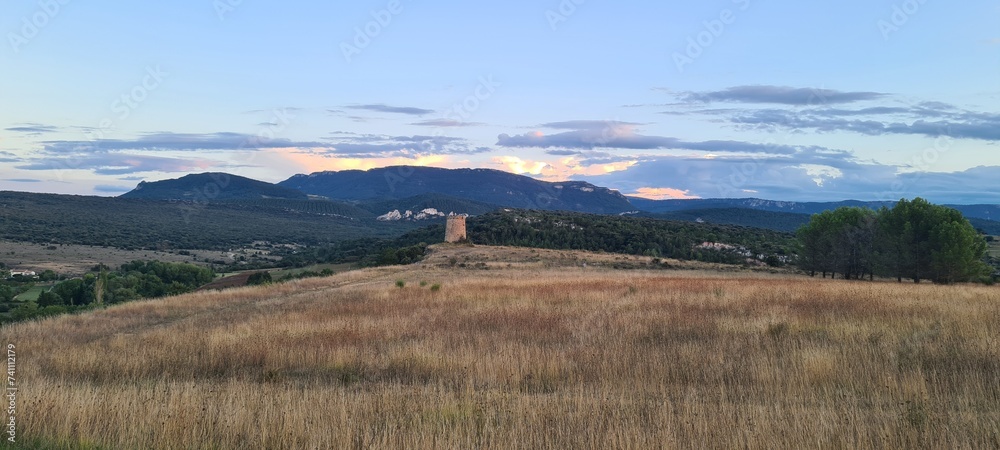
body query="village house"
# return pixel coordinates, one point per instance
(23, 273)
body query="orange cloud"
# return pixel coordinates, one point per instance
(314, 162)
(297, 160)
(520, 166)
(558, 170)
(663, 193)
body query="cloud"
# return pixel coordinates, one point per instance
(106, 188)
(446, 123)
(23, 180)
(559, 170)
(662, 193)
(173, 142)
(9, 157)
(781, 95)
(622, 135)
(929, 118)
(33, 128)
(356, 146)
(311, 162)
(588, 134)
(408, 110)
(380, 146)
(782, 179)
(118, 164)
(921, 120)
(588, 124)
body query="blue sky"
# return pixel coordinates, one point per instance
(774, 99)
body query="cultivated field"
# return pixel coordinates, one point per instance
(521, 356)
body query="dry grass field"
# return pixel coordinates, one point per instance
(525, 356)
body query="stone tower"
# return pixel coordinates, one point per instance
(455, 229)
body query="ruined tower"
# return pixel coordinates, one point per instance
(455, 229)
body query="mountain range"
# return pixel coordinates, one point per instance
(476, 191)
(212, 187)
(482, 185)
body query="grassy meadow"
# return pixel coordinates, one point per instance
(521, 356)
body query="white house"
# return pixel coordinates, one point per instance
(23, 273)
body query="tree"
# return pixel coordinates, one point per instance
(915, 239)
(839, 241)
(6, 293)
(100, 285)
(259, 278)
(957, 252)
(49, 298)
(48, 275)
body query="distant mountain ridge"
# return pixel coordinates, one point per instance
(212, 186)
(490, 186)
(477, 191)
(986, 212)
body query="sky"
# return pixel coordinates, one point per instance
(779, 99)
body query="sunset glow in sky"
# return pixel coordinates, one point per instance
(870, 100)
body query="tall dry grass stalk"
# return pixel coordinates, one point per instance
(567, 358)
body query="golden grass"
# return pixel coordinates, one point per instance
(523, 358)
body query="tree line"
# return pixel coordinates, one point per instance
(914, 239)
(630, 235)
(131, 281)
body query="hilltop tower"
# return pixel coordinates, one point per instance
(455, 229)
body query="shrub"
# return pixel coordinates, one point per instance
(259, 278)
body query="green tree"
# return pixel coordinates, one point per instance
(957, 252)
(6, 293)
(49, 298)
(259, 278)
(915, 239)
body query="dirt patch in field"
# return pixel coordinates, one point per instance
(232, 281)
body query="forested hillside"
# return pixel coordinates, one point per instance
(489, 186)
(632, 235)
(137, 223)
(211, 187)
(771, 220)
